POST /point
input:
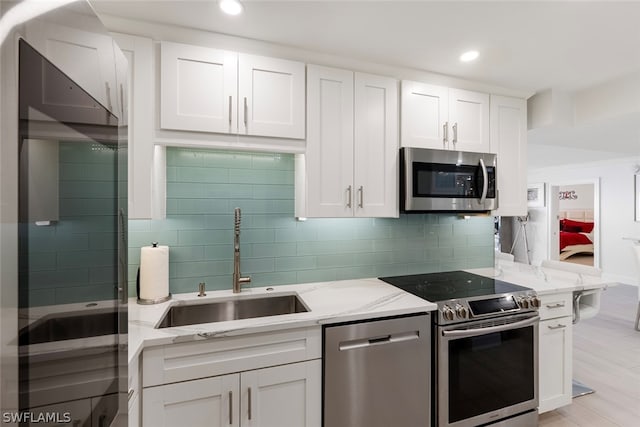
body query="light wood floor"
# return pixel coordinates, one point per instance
(606, 357)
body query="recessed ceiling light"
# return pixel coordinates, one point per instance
(469, 56)
(231, 7)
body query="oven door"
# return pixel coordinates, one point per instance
(442, 180)
(487, 370)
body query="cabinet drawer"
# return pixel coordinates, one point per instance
(218, 356)
(556, 305)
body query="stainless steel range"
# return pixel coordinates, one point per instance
(485, 348)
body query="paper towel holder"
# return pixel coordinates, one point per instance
(145, 301)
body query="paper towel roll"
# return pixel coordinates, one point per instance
(154, 272)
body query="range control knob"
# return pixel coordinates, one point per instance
(461, 311)
(447, 313)
(535, 302)
(523, 302)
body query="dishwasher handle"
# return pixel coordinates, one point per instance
(379, 340)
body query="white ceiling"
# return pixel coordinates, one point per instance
(523, 45)
(531, 46)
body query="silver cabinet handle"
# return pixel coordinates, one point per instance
(349, 197)
(122, 101)
(249, 403)
(130, 394)
(556, 305)
(445, 133)
(246, 110)
(558, 326)
(230, 109)
(455, 133)
(108, 89)
(361, 191)
(230, 407)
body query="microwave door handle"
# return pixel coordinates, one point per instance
(485, 181)
(465, 333)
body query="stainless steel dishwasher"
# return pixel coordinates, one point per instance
(378, 373)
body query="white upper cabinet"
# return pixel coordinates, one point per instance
(376, 146)
(329, 157)
(141, 153)
(350, 167)
(444, 118)
(86, 58)
(272, 95)
(425, 111)
(198, 88)
(469, 120)
(210, 90)
(509, 142)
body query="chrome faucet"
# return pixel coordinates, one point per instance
(238, 280)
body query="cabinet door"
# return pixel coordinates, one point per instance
(376, 146)
(85, 57)
(509, 142)
(271, 95)
(329, 157)
(198, 88)
(207, 402)
(469, 121)
(555, 363)
(133, 418)
(424, 115)
(139, 54)
(288, 395)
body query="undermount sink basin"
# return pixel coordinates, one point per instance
(69, 326)
(220, 311)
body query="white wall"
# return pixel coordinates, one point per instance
(616, 213)
(583, 194)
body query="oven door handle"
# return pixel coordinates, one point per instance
(485, 181)
(463, 333)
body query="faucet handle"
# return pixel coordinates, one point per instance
(201, 292)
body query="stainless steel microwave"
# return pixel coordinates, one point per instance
(447, 181)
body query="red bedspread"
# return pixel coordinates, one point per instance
(568, 239)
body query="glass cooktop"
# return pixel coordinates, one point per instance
(448, 285)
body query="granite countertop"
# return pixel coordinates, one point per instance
(542, 280)
(329, 302)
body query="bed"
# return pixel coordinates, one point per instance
(576, 233)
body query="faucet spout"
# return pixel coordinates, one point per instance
(238, 280)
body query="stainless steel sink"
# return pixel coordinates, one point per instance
(69, 326)
(220, 311)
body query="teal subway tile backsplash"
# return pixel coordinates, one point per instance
(204, 187)
(73, 259)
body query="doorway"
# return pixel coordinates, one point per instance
(574, 222)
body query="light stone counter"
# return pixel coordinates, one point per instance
(542, 280)
(329, 302)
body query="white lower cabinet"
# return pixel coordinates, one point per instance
(206, 402)
(259, 380)
(287, 395)
(555, 351)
